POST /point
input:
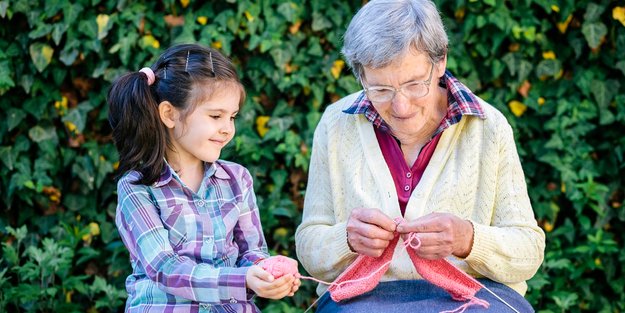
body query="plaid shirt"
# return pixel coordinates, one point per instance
(190, 251)
(461, 101)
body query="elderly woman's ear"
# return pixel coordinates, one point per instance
(441, 66)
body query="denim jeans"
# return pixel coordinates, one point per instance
(421, 296)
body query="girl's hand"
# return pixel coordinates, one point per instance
(294, 286)
(266, 286)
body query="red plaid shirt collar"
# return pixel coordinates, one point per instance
(461, 102)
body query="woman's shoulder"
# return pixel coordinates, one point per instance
(334, 112)
(494, 119)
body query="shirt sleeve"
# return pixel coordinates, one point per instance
(511, 248)
(248, 232)
(145, 237)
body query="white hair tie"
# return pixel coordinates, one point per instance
(150, 74)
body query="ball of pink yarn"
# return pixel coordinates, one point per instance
(279, 266)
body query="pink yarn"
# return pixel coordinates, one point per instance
(279, 266)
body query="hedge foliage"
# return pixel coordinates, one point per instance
(554, 68)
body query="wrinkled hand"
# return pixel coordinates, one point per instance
(441, 235)
(369, 231)
(266, 286)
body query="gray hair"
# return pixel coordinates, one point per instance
(384, 30)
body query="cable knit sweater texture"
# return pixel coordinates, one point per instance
(474, 173)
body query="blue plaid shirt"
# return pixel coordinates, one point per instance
(461, 102)
(190, 251)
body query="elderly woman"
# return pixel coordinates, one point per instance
(416, 153)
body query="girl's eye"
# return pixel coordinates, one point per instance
(215, 116)
(232, 118)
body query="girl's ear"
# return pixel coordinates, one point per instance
(168, 114)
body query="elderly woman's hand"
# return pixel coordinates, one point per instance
(441, 234)
(369, 231)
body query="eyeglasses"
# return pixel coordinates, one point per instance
(412, 89)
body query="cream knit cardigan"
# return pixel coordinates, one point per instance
(474, 173)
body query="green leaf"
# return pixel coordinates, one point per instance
(3, 8)
(39, 134)
(621, 66)
(288, 10)
(320, 22)
(594, 33)
(593, 12)
(548, 68)
(14, 117)
(6, 156)
(604, 92)
(5, 75)
(41, 54)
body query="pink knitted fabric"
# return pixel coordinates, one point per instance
(279, 266)
(344, 287)
(364, 274)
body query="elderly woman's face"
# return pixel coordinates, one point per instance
(406, 94)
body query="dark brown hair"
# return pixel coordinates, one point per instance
(139, 135)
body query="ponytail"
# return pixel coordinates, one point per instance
(138, 133)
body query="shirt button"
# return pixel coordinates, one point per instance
(408, 174)
(205, 306)
(201, 203)
(407, 187)
(233, 300)
(208, 240)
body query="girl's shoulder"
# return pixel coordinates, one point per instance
(231, 170)
(128, 182)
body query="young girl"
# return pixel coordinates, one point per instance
(188, 219)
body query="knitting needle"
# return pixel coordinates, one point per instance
(313, 304)
(500, 299)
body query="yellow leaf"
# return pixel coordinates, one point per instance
(541, 100)
(517, 107)
(548, 227)
(70, 126)
(555, 8)
(149, 40)
(598, 262)
(618, 13)
(68, 296)
(261, 125)
(293, 29)
(337, 67)
(184, 3)
(459, 14)
(102, 20)
(202, 20)
(217, 44)
(564, 25)
(116, 165)
(281, 232)
(563, 188)
(248, 16)
(94, 228)
(549, 55)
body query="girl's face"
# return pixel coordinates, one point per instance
(208, 128)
